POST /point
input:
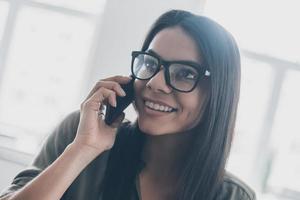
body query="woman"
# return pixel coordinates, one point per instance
(187, 78)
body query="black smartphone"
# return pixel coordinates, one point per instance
(112, 113)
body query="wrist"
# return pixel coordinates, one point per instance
(85, 151)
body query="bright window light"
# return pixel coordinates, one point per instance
(43, 74)
(4, 6)
(269, 27)
(251, 114)
(286, 140)
(90, 6)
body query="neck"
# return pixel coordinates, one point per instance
(165, 155)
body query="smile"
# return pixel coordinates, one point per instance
(158, 107)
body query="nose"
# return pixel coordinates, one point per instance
(158, 83)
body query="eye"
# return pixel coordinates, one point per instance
(150, 63)
(186, 74)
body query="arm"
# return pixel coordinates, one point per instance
(86, 136)
(52, 148)
(55, 179)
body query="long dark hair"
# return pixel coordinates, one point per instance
(203, 172)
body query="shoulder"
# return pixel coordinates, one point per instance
(234, 188)
(58, 139)
(71, 120)
(68, 125)
(65, 131)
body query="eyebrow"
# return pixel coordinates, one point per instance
(153, 52)
(188, 61)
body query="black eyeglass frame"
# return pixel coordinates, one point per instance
(203, 71)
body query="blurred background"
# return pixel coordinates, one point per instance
(53, 51)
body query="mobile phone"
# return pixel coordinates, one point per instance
(112, 113)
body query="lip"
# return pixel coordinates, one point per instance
(158, 102)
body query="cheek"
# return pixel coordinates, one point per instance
(192, 106)
(138, 86)
(137, 90)
(192, 109)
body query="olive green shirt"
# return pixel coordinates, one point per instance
(87, 184)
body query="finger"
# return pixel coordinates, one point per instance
(118, 121)
(111, 83)
(112, 86)
(119, 79)
(98, 98)
(104, 95)
(90, 105)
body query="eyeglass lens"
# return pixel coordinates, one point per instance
(182, 77)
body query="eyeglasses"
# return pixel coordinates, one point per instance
(182, 76)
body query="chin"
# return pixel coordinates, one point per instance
(149, 130)
(153, 130)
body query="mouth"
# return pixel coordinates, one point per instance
(159, 107)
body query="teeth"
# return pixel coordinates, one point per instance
(156, 106)
(162, 108)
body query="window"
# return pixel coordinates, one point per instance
(252, 111)
(3, 16)
(266, 150)
(90, 6)
(48, 46)
(286, 140)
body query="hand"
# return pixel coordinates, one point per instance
(92, 131)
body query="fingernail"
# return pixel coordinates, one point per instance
(123, 93)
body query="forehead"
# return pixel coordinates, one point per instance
(174, 44)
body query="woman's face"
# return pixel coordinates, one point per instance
(170, 44)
